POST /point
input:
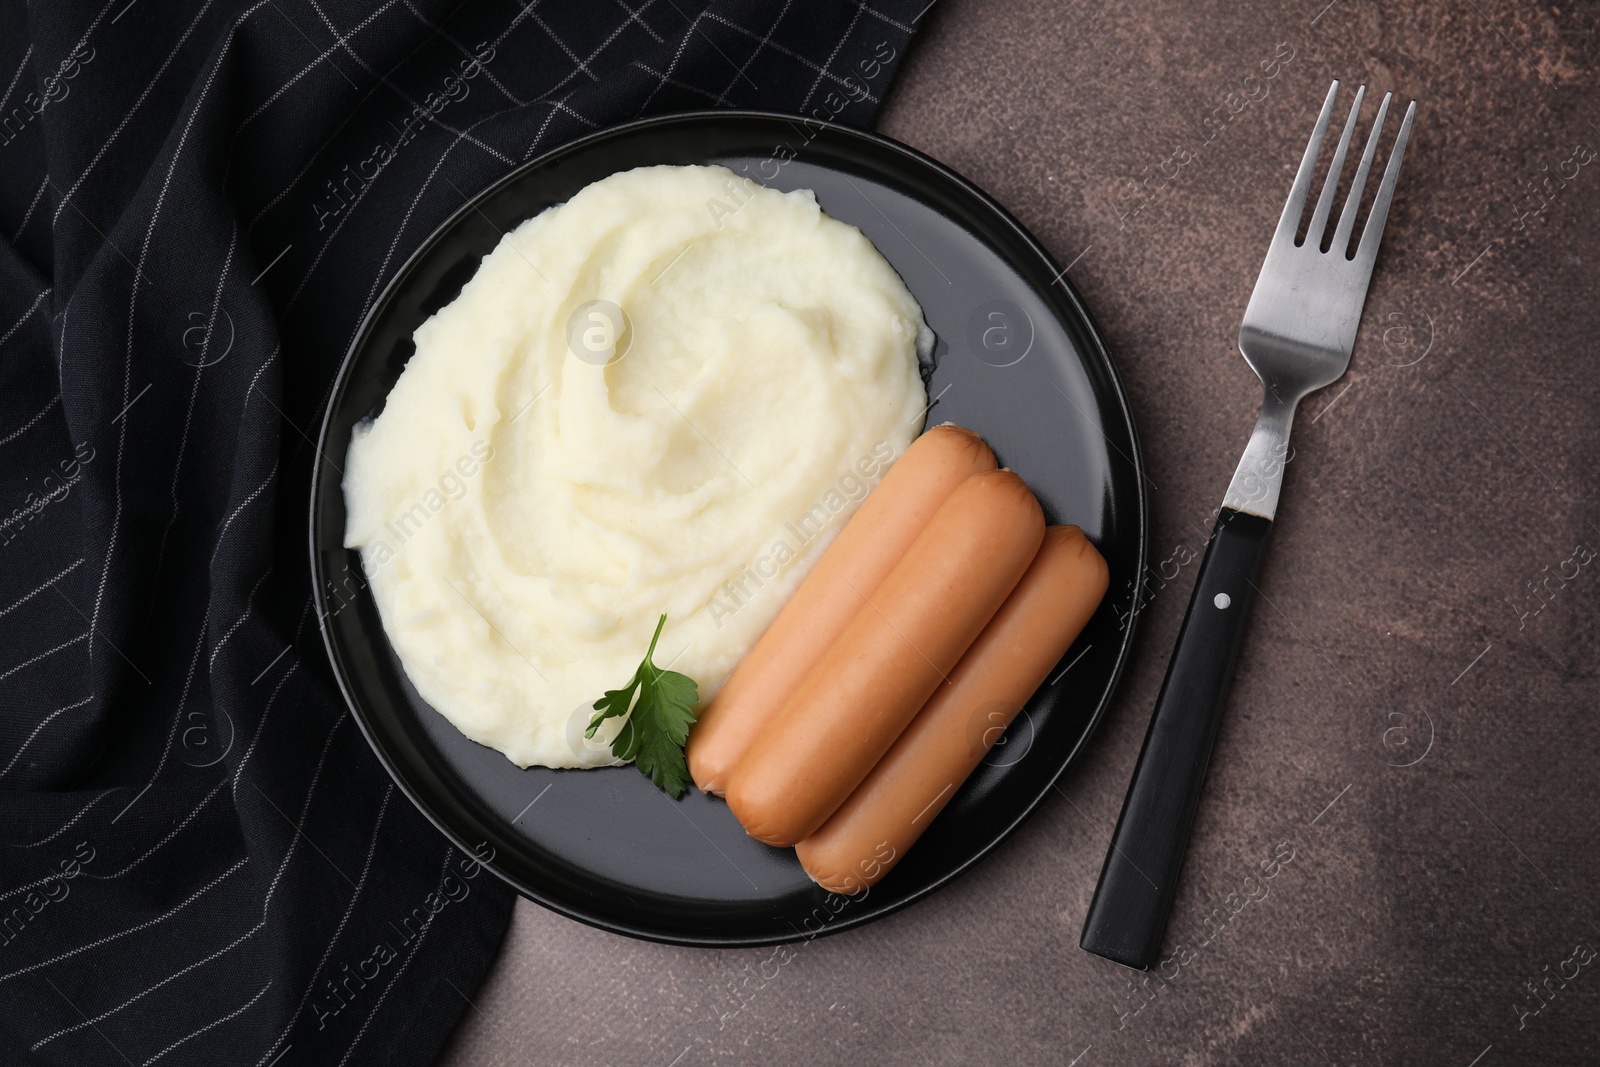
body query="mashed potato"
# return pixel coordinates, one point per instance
(664, 396)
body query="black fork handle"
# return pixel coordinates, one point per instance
(1128, 915)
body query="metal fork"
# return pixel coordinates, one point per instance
(1297, 335)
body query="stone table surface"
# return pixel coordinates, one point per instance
(1412, 731)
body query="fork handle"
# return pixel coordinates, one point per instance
(1128, 915)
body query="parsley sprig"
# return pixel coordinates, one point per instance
(654, 735)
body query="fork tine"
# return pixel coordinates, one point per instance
(1352, 203)
(1367, 254)
(1330, 185)
(1290, 219)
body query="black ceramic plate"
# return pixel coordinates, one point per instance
(1018, 360)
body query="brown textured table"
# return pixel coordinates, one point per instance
(1410, 744)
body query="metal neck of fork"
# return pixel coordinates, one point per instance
(1259, 478)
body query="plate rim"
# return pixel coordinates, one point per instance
(1094, 335)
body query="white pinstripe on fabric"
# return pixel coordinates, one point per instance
(305, 613)
(211, 1025)
(766, 39)
(305, 809)
(6, 99)
(234, 514)
(29, 512)
(601, 47)
(838, 46)
(383, 79)
(15, 326)
(35, 733)
(427, 924)
(18, 603)
(59, 876)
(881, 17)
(344, 920)
(674, 82)
(94, 24)
(42, 655)
(25, 427)
(106, 145)
(439, 31)
(677, 57)
(38, 196)
(633, 16)
(796, 56)
(249, 599)
(163, 917)
(249, 751)
(70, 823)
(522, 13)
(153, 849)
(580, 65)
(555, 106)
(311, 161)
(308, 68)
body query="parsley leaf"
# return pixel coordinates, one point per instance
(654, 735)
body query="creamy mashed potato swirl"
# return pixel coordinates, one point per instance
(533, 496)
